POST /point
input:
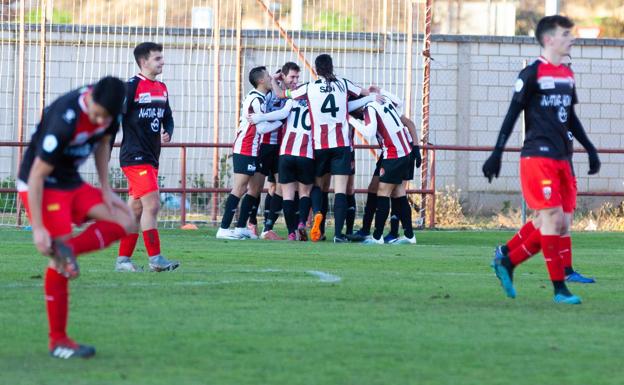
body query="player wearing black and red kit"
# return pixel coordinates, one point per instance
(546, 92)
(146, 122)
(526, 245)
(73, 127)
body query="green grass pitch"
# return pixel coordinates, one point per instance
(253, 312)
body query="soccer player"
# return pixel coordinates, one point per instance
(327, 100)
(527, 246)
(397, 201)
(146, 122)
(73, 127)
(383, 120)
(245, 159)
(546, 91)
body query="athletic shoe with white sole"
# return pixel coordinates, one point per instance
(159, 263)
(370, 240)
(67, 349)
(227, 234)
(125, 265)
(403, 240)
(245, 233)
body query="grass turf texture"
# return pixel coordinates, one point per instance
(247, 313)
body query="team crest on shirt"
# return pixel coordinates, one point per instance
(155, 125)
(563, 115)
(547, 190)
(145, 98)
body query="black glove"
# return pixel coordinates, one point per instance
(491, 167)
(594, 162)
(416, 155)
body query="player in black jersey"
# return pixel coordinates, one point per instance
(546, 91)
(73, 127)
(147, 122)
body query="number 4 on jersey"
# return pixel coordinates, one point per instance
(329, 105)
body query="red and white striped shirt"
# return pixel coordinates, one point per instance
(384, 120)
(247, 138)
(297, 139)
(327, 102)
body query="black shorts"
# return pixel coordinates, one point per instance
(268, 156)
(394, 171)
(377, 166)
(352, 162)
(335, 161)
(244, 164)
(296, 169)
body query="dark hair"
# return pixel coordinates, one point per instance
(110, 92)
(290, 66)
(325, 67)
(256, 74)
(143, 50)
(548, 24)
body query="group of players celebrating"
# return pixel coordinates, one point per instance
(299, 136)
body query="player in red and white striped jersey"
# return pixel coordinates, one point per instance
(245, 159)
(327, 100)
(384, 120)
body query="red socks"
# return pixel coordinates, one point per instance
(550, 249)
(521, 236)
(127, 245)
(95, 237)
(565, 250)
(56, 296)
(527, 249)
(152, 242)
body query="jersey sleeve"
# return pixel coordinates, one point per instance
(59, 129)
(131, 87)
(525, 85)
(369, 127)
(352, 90)
(257, 106)
(299, 93)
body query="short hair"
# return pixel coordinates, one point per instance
(110, 92)
(143, 50)
(549, 23)
(256, 74)
(290, 66)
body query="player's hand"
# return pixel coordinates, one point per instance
(113, 202)
(165, 137)
(374, 89)
(42, 240)
(491, 167)
(253, 118)
(594, 163)
(417, 156)
(278, 75)
(379, 98)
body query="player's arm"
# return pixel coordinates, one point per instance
(167, 123)
(273, 116)
(411, 127)
(266, 127)
(577, 130)
(299, 93)
(39, 171)
(523, 90)
(368, 128)
(359, 103)
(353, 90)
(277, 90)
(50, 149)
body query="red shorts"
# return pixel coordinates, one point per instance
(142, 179)
(61, 208)
(548, 183)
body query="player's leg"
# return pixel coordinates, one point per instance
(276, 206)
(381, 213)
(151, 237)
(304, 209)
(288, 191)
(395, 214)
(404, 213)
(371, 205)
(128, 243)
(244, 169)
(325, 186)
(321, 170)
(249, 204)
(340, 170)
(351, 204)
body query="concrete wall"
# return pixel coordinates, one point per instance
(471, 84)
